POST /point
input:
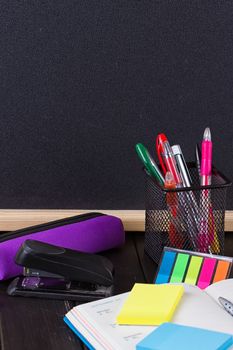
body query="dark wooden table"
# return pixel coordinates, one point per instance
(28, 323)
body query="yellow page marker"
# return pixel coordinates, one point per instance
(150, 304)
(193, 270)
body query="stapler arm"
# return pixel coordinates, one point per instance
(55, 272)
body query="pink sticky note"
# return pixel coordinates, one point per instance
(206, 273)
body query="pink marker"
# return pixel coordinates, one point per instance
(205, 237)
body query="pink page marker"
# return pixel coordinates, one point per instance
(206, 274)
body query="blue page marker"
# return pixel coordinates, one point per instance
(166, 266)
(172, 336)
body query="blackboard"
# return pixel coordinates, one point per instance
(81, 82)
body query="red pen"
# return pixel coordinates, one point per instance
(168, 164)
(171, 198)
(166, 157)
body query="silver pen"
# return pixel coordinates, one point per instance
(198, 160)
(182, 166)
(192, 209)
(228, 305)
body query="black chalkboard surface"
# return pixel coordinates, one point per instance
(81, 82)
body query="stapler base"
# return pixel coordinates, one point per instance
(40, 288)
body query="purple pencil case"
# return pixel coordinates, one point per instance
(90, 233)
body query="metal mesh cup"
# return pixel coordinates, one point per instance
(190, 218)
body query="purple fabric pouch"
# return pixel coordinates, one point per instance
(90, 233)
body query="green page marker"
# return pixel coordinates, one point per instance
(149, 163)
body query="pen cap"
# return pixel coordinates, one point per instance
(182, 166)
(149, 163)
(161, 138)
(166, 157)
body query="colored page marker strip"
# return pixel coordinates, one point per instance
(206, 273)
(193, 270)
(221, 271)
(179, 268)
(165, 267)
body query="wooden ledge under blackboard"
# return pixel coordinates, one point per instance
(133, 220)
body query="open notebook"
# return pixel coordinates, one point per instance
(95, 322)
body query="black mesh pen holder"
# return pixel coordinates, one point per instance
(190, 218)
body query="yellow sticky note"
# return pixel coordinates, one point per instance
(150, 304)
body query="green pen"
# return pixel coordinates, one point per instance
(149, 163)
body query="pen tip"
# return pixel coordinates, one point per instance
(207, 134)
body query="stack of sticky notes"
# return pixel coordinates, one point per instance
(173, 336)
(150, 304)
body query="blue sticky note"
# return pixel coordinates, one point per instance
(165, 268)
(172, 336)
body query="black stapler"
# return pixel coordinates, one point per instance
(59, 273)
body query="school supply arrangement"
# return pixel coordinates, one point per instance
(90, 233)
(96, 322)
(58, 273)
(194, 268)
(185, 202)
